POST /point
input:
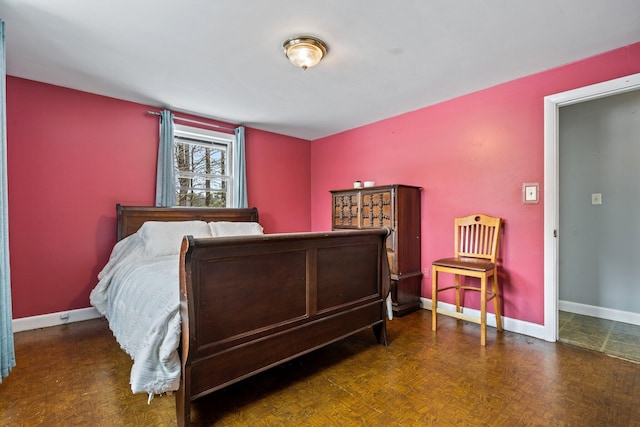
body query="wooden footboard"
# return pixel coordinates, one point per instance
(250, 303)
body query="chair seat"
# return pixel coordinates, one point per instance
(473, 264)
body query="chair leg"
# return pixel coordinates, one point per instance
(434, 298)
(496, 300)
(483, 310)
(457, 283)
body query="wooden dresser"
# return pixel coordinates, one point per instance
(398, 208)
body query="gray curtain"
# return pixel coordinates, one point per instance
(7, 353)
(165, 185)
(240, 187)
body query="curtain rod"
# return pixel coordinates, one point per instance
(183, 119)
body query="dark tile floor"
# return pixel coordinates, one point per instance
(613, 338)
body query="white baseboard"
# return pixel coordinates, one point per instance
(600, 312)
(54, 319)
(508, 324)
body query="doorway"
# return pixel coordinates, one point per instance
(552, 229)
(599, 276)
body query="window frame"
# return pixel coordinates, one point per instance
(206, 137)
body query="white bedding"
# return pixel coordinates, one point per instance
(139, 294)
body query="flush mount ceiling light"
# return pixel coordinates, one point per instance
(304, 51)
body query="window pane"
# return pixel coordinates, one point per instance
(202, 198)
(201, 191)
(202, 159)
(201, 170)
(187, 181)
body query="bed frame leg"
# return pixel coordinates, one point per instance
(380, 331)
(183, 408)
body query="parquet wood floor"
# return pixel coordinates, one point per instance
(76, 375)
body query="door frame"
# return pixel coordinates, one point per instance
(552, 104)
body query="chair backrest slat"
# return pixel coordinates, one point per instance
(476, 236)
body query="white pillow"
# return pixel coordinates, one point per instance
(228, 228)
(165, 238)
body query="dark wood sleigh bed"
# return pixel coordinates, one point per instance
(249, 303)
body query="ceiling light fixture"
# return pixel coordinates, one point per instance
(304, 51)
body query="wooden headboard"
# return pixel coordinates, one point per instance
(131, 218)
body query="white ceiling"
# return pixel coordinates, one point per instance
(223, 58)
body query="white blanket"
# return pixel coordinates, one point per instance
(139, 295)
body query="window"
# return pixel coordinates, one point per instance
(203, 164)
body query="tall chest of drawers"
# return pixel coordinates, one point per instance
(396, 207)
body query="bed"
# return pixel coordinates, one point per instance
(246, 303)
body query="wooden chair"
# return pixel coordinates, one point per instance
(476, 250)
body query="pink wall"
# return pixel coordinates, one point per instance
(278, 180)
(470, 154)
(72, 156)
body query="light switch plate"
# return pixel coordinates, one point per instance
(530, 192)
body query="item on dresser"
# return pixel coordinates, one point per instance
(369, 183)
(398, 208)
